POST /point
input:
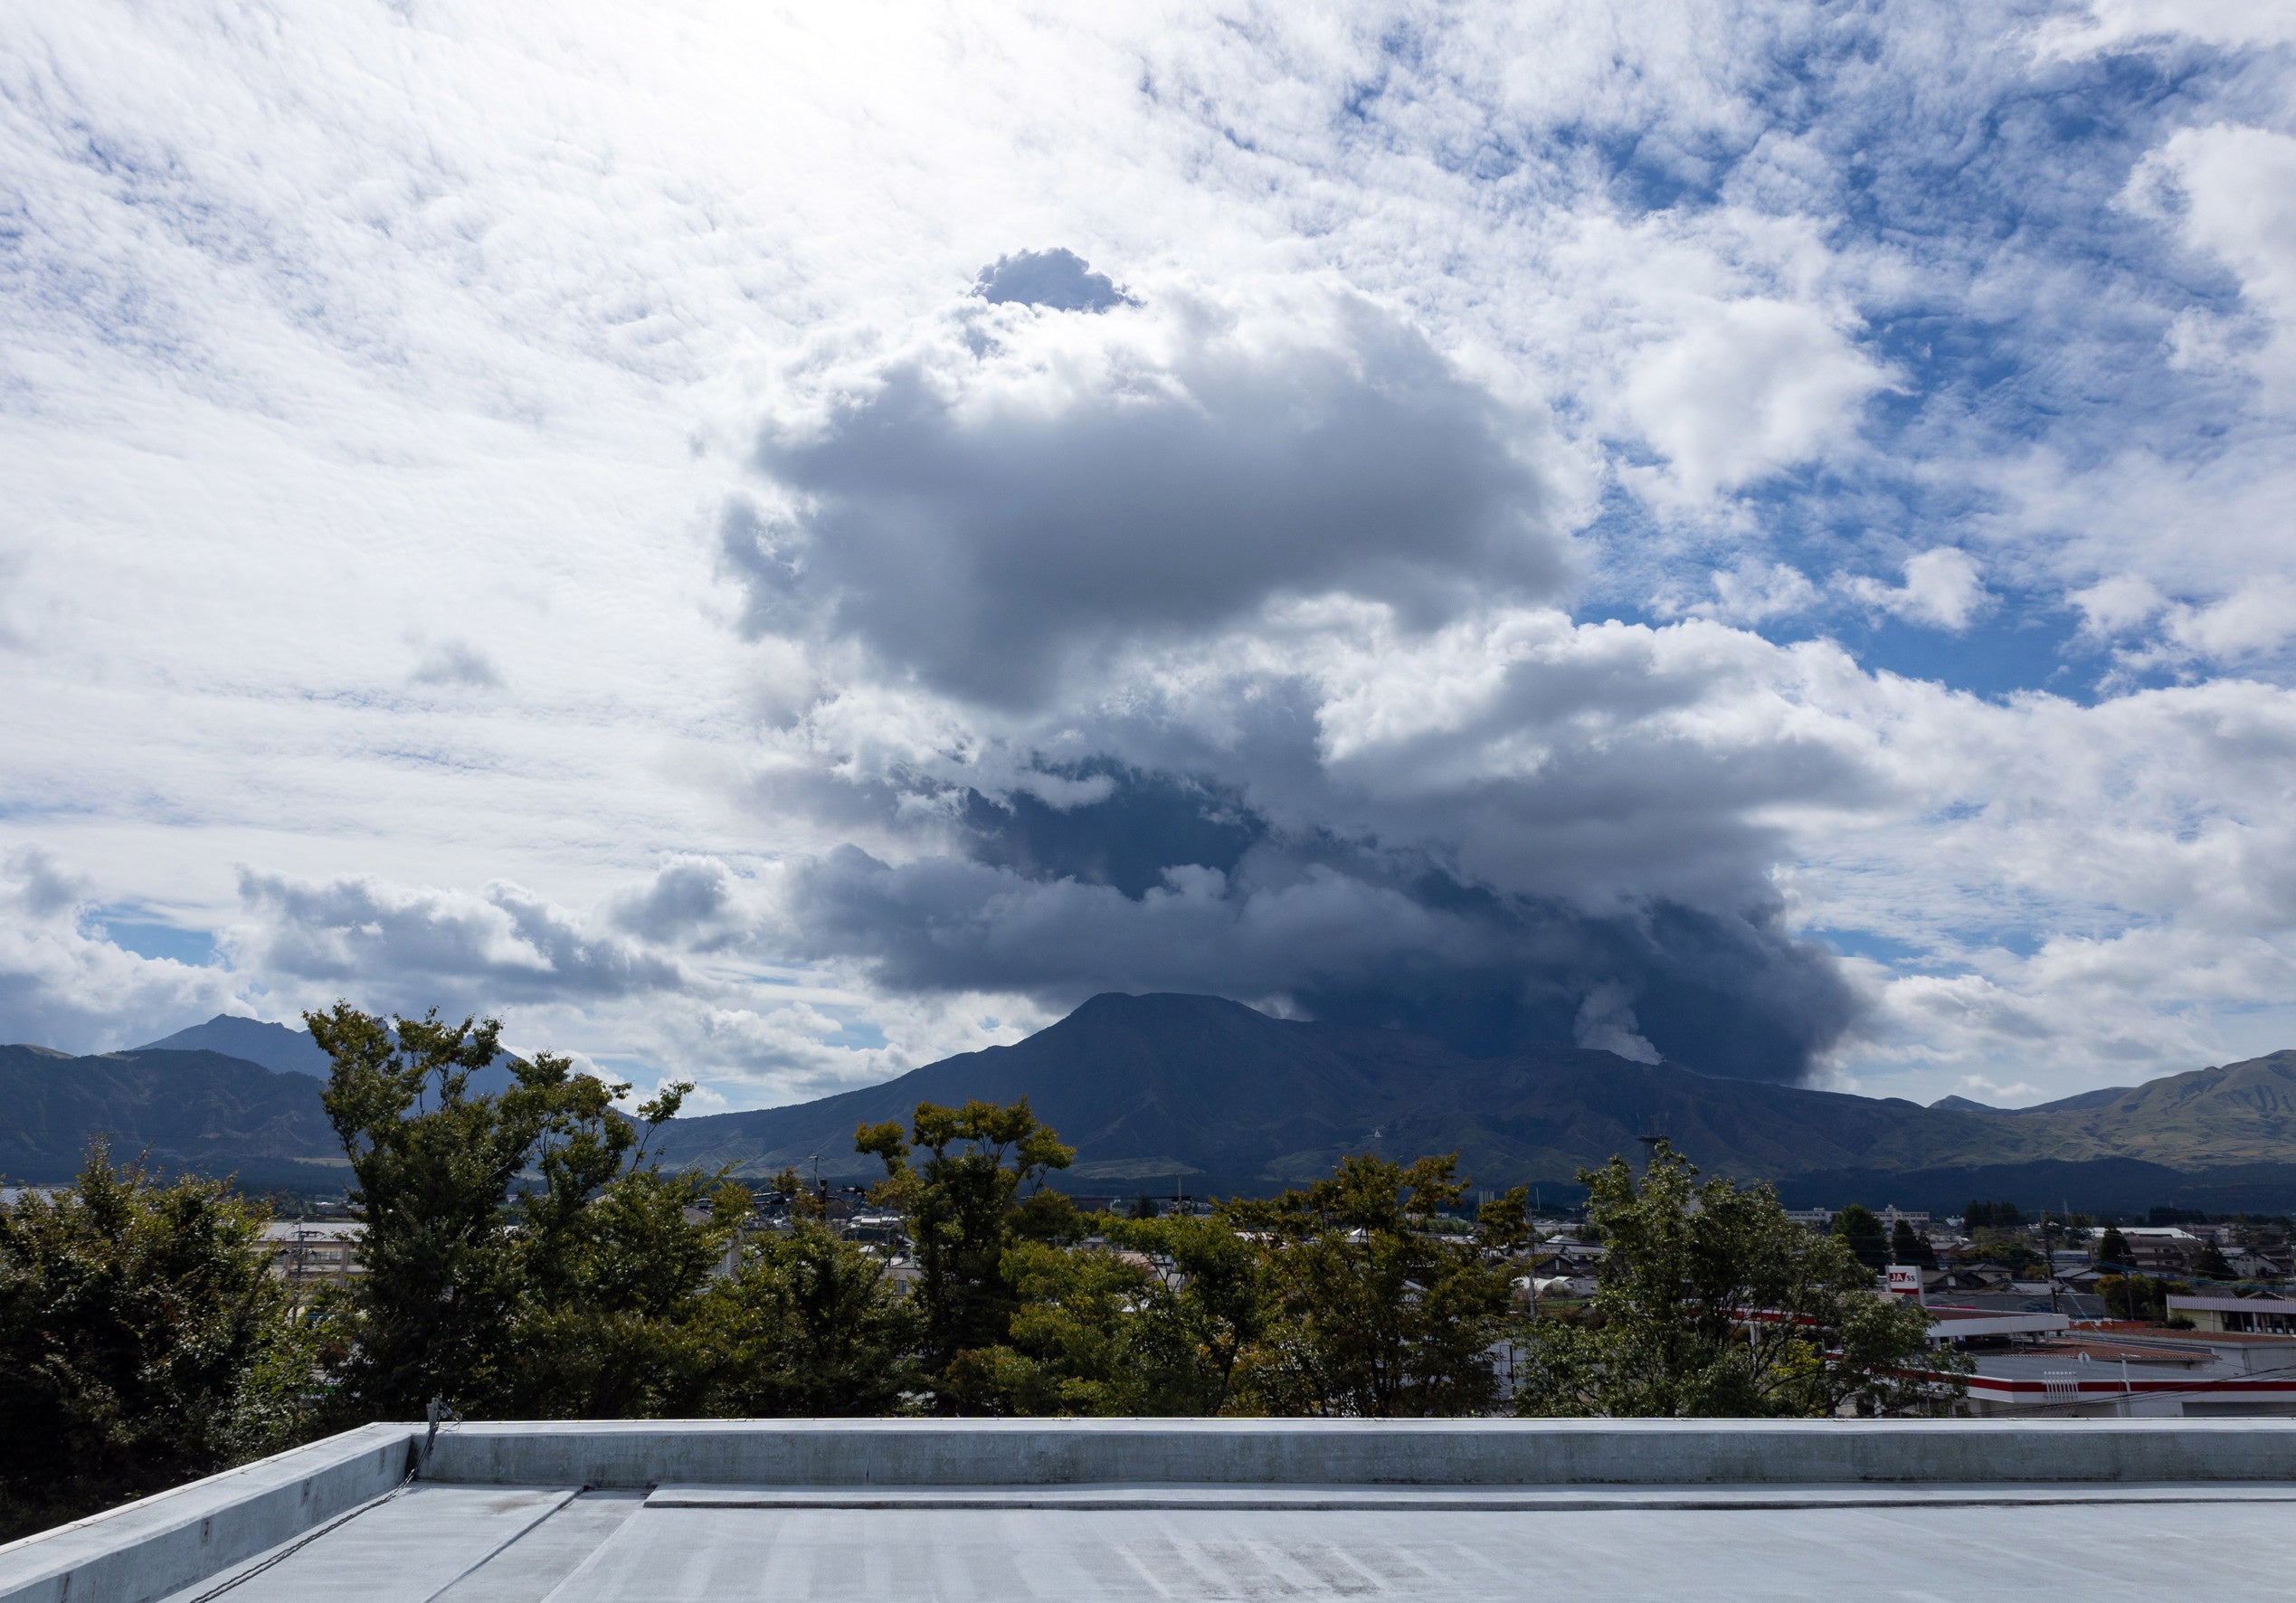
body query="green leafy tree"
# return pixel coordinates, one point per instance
(2136, 1296)
(1909, 1246)
(429, 1315)
(811, 1327)
(2011, 1251)
(1158, 1322)
(1856, 1228)
(2212, 1264)
(518, 1255)
(1214, 1303)
(612, 1257)
(142, 1342)
(2112, 1248)
(1712, 1303)
(1375, 1310)
(968, 1182)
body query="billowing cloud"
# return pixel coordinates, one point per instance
(1008, 502)
(417, 947)
(64, 984)
(1752, 385)
(1345, 943)
(1942, 589)
(1057, 279)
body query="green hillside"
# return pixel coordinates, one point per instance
(1158, 1090)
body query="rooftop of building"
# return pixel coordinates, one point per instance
(1089, 1509)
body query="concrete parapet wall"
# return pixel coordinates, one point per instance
(167, 1544)
(1349, 1452)
(163, 1543)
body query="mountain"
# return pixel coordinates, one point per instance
(292, 1052)
(184, 1109)
(1152, 1087)
(274, 1045)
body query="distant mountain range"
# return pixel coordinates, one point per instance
(286, 1050)
(182, 1110)
(274, 1045)
(1159, 1091)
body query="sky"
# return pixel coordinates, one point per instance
(772, 546)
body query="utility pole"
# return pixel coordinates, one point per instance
(2048, 1261)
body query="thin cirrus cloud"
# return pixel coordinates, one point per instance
(1744, 533)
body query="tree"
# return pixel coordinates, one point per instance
(142, 1342)
(1158, 1322)
(1990, 1216)
(1375, 1312)
(612, 1257)
(1909, 1246)
(2136, 1296)
(1712, 1303)
(810, 1328)
(2212, 1264)
(2112, 1248)
(1856, 1228)
(576, 1299)
(977, 1188)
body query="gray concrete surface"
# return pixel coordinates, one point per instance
(410, 1549)
(966, 1510)
(150, 1548)
(2233, 1550)
(1468, 1499)
(1329, 1452)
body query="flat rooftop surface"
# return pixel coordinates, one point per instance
(676, 1544)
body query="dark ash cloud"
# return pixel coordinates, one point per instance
(1173, 885)
(1059, 280)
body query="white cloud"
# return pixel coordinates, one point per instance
(2104, 24)
(1748, 387)
(2114, 606)
(1753, 592)
(2230, 192)
(63, 983)
(1944, 589)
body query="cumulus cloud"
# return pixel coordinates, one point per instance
(1942, 589)
(1757, 593)
(993, 514)
(1059, 280)
(63, 983)
(2230, 192)
(1469, 833)
(417, 946)
(1360, 942)
(1752, 385)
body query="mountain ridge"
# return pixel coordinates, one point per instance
(1169, 1088)
(1288, 1099)
(182, 1109)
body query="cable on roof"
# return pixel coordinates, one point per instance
(304, 1541)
